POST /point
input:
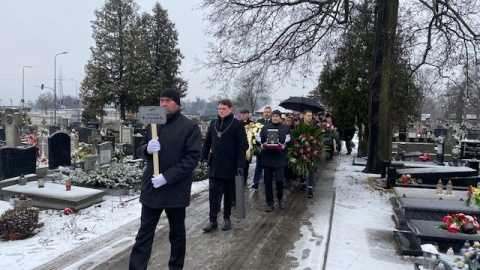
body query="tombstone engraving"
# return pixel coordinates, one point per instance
(469, 150)
(105, 151)
(16, 161)
(59, 150)
(127, 135)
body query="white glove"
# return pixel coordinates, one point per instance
(263, 146)
(153, 146)
(287, 138)
(283, 146)
(258, 138)
(158, 181)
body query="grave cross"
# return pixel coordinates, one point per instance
(94, 140)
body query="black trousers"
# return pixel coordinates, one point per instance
(220, 187)
(142, 249)
(270, 174)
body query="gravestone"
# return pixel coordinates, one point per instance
(13, 122)
(473, 134)
(93, 125)
(2, 133)
(110, 139)
(431, 175)
(15, 161)
(85, 133)
(59, 150)
(42, 146)
(440, 132)
(440, 154)
(427, 232)
(106, 152)
(469, 150)
(137, 140)
(126, 135)
(89, 163)
(73, 144)
(53, 129)
(64, 124)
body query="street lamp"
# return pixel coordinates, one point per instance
(23, 85)
(55, 87)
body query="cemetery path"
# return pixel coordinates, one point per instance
(275, 240)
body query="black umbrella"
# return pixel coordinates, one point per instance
(301, 104)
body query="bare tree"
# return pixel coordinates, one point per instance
(252, 90)
(282, 38)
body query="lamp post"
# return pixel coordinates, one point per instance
(76, 91)
(23, 85)
(55, 87)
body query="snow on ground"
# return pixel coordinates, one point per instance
(361, 237)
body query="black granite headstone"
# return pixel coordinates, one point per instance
(440, 132)
(53, 129)
(85, 133)
(473, 134)
(59, 150)
(469, 150)
(137, 140)
(15, 161)
(3, 137)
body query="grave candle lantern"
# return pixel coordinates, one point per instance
(41, 182)
(439, 187)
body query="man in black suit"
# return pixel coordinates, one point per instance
(225, 147)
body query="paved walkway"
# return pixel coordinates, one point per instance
(282, 239)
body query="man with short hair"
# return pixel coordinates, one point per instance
(274, 161)
(178, 145)
(308, 119)
(267, 116)
(225, 148)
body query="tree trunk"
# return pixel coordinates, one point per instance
(380, 135)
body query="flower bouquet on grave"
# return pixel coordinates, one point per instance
(407, 179)
(460, 223)
(307, 148)
(253, 129)
(473, 197)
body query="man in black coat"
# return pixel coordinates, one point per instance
(179, 146)
(225, 147)
(274, 160)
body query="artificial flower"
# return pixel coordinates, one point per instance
(453, 223)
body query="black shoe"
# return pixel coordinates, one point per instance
(269, 208)
(303, 187)
(310, 192)
(286, 184)
(212, 225)
(226, 224)
(234, 203)
(282, 204)
(348, 153)
(255, 186)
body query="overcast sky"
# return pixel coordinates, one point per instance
(32, 32)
